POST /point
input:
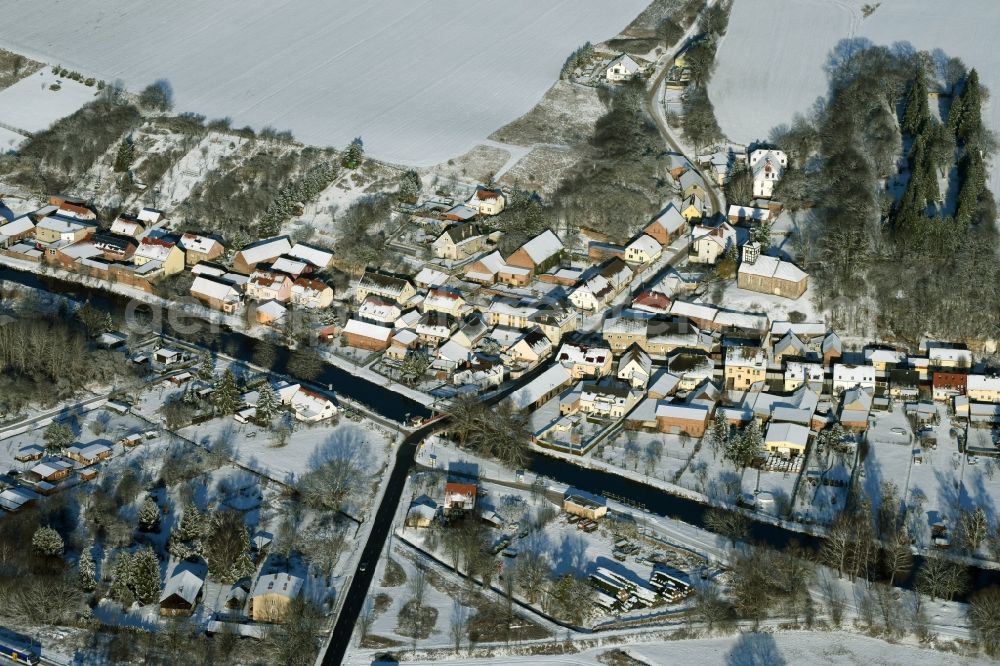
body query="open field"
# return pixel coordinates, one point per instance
(792, 41)
(32, 105)
(391, 72)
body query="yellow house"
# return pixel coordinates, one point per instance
(487, 201)
(585, 507)
(745, 366)
(693, 208)
(167, 253)
(983, 388)
(786, 439)
(273, 595)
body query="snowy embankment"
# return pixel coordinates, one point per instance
(388, 71)
(792, 42)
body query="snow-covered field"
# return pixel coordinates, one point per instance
(31, 104)
(791, 41)
(420, 81)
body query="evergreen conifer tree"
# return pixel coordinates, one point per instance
(125, 155)
(355, 153)
(243, 567)
(267, 403)
(206, 366)
(121, 580)
(146, 576)
(47, 541)
(227, 394)
(87, 571)
(149, 515)
(917, 113)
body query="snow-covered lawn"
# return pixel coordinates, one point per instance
(392, 72)
(754, 94)
(31, 104)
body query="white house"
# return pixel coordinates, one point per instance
(643, 250)
(311, 407)
(622, 68)
(635, 367)
(798, 373)
(708, 244)
(850, 376)
(767, 167)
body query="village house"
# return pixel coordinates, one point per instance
(270, 312)
(744, 367)
(947, 385)
(883, 359)
(622, 332)
(264, 251)
(554, 320)
(216, 293)
(422, 512)
(602, 400)
(668, 226)
(769, 275)
(401, 344)
(510, 313)
(150, 216)
(72, 207)
(269, 286)
(689, 183)
(318, 257)
(855, 406)
(766, 168)
(115, 248)
(531, 348)
(459, 496)
(600, 288)
(831, 348)
(378, 310)
(169, 256)
(983, 388)
(542, 388)
(311, 407)
(181, 594)
(643, 250)
(693, 208)
(429, 278)
(635, 367)
(389, 287)
(538, 254)
(459, 241)
(688, 418)
(847, 376)
(709, 243)
(622, 68)
(485, 270)
(799, 373)
(16, 230)
(54, 228)
(786, 439)
(904, 384)
(434, 328)
(199, 248)
(365, 335)
(128, 225)
(584, 361)
(88, 454)
(273, 595)
(789, 345)
(944, 357)
(51, 470)
(311, 293)
(487, 201)
(448, 301)
(747, 214)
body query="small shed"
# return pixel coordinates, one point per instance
(181, 594)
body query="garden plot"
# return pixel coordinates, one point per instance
(372, 70)
(754, 95)
(938, 486)
(32, 105)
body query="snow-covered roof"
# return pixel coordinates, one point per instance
(82, 250)
(694, 310)
(670, 219)
(543, 246)
(314, 255)
(91, 450)
(289, 265)
(691, 411)
(204, 285)
(150, 215)
(18, 225)
(846, 372)
(749, 213)
(454, 352)
(196, 243)
(185, 585)
(266, 249)
(273, 309)
(375, 308)
(766, 266)
(787, 433)
(492, 263)
(208, 268)
(626, 62)
(153, 250)
(644, 243)
(431, 277)
(982, 383)
(723, 234)
(284, 584)
(367, 330)
(63, 225)
(552, 378)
